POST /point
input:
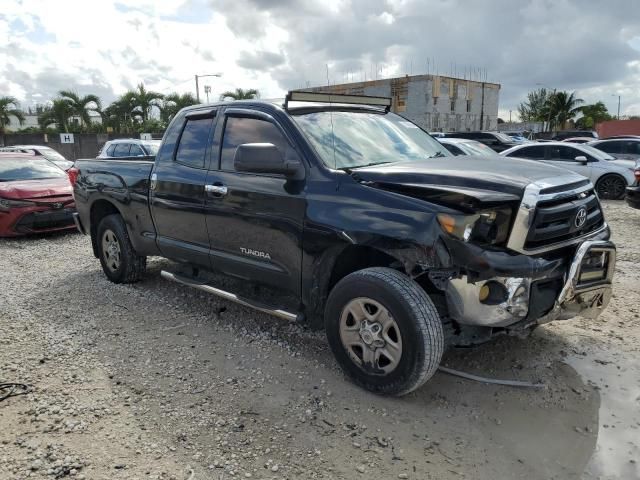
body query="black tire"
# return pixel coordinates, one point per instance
(129, 267)
(611, 187)
(418, 321)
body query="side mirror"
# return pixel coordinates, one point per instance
(582, 159)
(266, 158)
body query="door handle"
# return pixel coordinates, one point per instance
(216, 190)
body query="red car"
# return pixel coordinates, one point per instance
(35, 195)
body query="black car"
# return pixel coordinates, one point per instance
(354, 219)
(495, 140)
(574, 133)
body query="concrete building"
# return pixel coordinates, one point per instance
(434, 102)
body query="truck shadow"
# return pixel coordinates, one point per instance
(169, 341)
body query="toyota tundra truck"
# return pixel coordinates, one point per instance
(355, 220)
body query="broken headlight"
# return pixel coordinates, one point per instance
(486, 227)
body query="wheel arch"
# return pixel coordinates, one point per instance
(338, 262)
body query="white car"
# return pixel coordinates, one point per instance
(48, 153)
(129, 147)
(609, 175)
(464, 146)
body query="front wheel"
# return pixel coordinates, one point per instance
(120, 262)
(611, 187)
(384, 331)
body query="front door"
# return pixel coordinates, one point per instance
(254, 220)
(565, 157)
(177, 197)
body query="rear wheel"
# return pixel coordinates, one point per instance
(384, 331)
(120, 262)
(611, 187)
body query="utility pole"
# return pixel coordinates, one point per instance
(482, 109)
(198, 87)
(509, 116)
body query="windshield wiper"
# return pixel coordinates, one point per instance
(437, 154)
(366, 165)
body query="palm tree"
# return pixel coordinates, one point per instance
(81, 106)
(173, 103)
(145, 101)
(563, 106)
(240, 94)
(9, 107)
(121, 113)
(58, 113)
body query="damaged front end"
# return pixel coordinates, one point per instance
(558, 263)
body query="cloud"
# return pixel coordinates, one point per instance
(260, 60)
(591, 46)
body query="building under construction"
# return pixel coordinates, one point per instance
(434, 102)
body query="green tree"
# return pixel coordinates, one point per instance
(534, 109)
(81, 106)
(173, 103)
(9, 107)
(121, 114)
(592, 115)
(146, 101)
(240, 94)
(563, 106)
(57, 114)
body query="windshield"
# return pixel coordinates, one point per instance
(51, 154)
(152, 148)
(597, 153)
(477, 148)
(12, 169)
(355, 139)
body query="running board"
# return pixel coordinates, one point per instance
(261, 307)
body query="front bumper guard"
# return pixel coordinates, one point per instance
(585, 298)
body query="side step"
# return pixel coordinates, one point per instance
(261, 307)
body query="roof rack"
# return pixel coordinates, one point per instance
(297, 96)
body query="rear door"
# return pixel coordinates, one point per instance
(255, 220)
(177, 189)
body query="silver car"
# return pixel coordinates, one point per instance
(609, 175)
(621, 148)
(464, 146)
(129, 147)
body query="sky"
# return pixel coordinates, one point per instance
(105, 47)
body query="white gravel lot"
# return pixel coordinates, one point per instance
(155, 380)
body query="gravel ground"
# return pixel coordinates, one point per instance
(155, 380)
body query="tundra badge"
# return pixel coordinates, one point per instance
(255, 253)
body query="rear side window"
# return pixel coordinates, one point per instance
(240, 130)
(193, 142)
(534, 153)
(121, 150)
(111, 149)
(610, 147)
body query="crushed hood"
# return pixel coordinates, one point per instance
(463, 181)
(36, 189)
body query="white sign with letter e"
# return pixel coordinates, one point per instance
(66, 138)
(145, 136)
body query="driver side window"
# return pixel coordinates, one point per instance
(240, 130)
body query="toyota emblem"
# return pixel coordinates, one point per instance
(581, 217)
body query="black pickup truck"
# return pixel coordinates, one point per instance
(361, 220)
